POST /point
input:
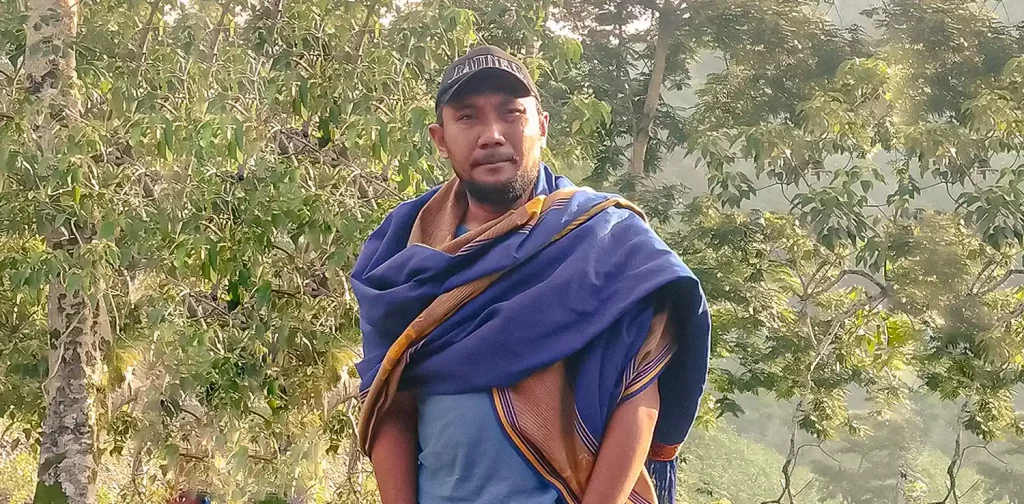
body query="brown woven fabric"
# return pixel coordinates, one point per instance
(545, 417)
(437, 219)
(538, 413)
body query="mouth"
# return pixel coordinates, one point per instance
(494, 164)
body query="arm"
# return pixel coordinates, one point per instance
(393, 453)
(624, 449)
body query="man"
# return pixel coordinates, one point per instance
(525, 341)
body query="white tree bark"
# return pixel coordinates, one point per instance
(654, 85)
(78, 325)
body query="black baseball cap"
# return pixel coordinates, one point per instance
(480, 60)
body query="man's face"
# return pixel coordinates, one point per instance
(494, 141)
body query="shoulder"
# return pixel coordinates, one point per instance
(414, 205)
(610, 207)
(392, 234)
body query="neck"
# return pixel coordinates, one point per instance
(478, 214)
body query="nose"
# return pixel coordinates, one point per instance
(491, 135)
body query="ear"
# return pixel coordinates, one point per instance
(543, 120)
(437, 135)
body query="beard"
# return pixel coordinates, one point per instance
(506, 193)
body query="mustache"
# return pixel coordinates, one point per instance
(495, 157)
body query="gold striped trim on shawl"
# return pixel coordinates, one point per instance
(434, 228)
(385, 383)
(642, 380)
(600, 207)
(643, 490)
(502, 403)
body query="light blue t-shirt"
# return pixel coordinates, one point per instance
(466, 457)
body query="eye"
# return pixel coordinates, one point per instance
(465, 116)
(517, 111)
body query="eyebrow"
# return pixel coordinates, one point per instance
(462, 106)
(509, 101)
(468, 105)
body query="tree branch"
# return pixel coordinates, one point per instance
(190, 413)
(193, 456)
(282, 249)
(837, 322)
(211, 304)
(970, 488)
(798, 492)
(148, 28)
(827, 454)
(867, 276)
(257, 413)
(852, 272)
(981, 274)
(773, 184)
(986, 448)
(953, 469)
(219, 29)
(999, 283)
(790, 463)
(357, 54)
(653, 98)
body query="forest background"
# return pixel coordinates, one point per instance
(184, 186)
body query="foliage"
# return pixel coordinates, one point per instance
(740, 470)
(227, 159)
(226, 176)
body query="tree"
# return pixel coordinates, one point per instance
(78, 330)
(216, 164)
(222, 177)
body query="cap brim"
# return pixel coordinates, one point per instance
(469, 78)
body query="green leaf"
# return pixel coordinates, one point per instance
(74, 283)
(282, 61)
(212, 255)
(326, 133)
(297, 107)
(165, 153)
(49, 494)
(405, 178)
(234, 296)
(168, 133)
(206, 134)
(136, 134)
(239, 136)
(382, 135)
(171, 453)
(263, 294)
(304, 92)
(18, 278)
(155, 315)
(334, 114)
(244, 277)
(235, 153)
(107, 230)
(573, 48)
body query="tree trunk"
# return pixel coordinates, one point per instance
(646, 123)
(78, 325)
(532, 49)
